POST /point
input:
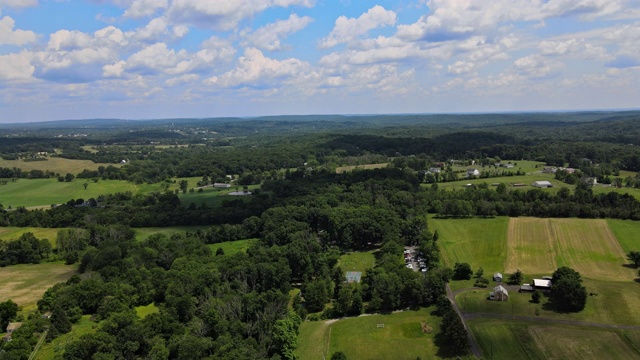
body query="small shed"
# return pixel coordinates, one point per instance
(526, 288)
(497, 277)
(221, 185)
(354, 276)
(499, 293)
(472, 172)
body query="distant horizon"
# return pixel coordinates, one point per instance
(151, 59)
(330, 114)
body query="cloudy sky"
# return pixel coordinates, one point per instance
(140, 59)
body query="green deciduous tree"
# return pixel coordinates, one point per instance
(634, 257)
(462, 271)
(567, 291)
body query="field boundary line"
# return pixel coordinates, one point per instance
(38, 345)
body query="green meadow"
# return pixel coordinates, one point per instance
(506, 340)
(26, 283)
(144, 233)
(54, 164)
(10, 233)
(232, 247)
(361, 338)
(357, 261)
(55, 349)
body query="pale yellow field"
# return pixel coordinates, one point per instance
(541, 245)
(25, 284)
(54, 164)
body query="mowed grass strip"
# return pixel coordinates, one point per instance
(25, 284)
(361, 338)
(479, 242)
(587, 245)
(523, 340)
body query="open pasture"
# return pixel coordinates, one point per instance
(341, 169)
(213, 197)
(522, 340)
(627, 232)
(37, 192)
(361, 338)
(54, 164)
(13, 233)
(25, 284)
(587, 245)
(144, 233)
(479, 242)
(55, 348)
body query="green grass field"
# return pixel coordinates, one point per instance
(144, 233)
(232, 247)
(54, 164)
(25, 284)
(13, 233)
(143, 311)
(357, 261)
(627, 232)
(341, 169)
(42, 192)
(479, 242)
(50, 350)
(360, 338)
(508, 340)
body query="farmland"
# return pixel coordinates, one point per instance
(13, 233)
(501, 339)
(341, 169)
(361, 338)
(232, 247)
(25, 284)
(54, 164)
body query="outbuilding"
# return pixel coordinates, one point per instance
(497, 277)
(542, 284)
(542, 184)
(499, 293)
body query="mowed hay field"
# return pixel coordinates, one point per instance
(13, 233)
(479, 242)
(25, 284)
(521, 340)
(54, 164)
(361, 338)
(538, 246)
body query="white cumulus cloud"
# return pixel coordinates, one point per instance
(224, 15)
(144, 8)
(347, 29)
(9, 36)
(269, 37)
(18, 4)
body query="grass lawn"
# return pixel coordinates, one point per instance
(602, 189)
(357, 261)
(479, 242)
(341, 169)
(613, 303)
(627, 232)
(54, 164)
(49, 351)
(507, 180)
(143, 311)
(25, 284)
(360, 338)
(144, 233)
(232, 247)
(588, 245)
(522, 340)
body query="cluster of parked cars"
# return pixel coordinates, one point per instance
(411, 257)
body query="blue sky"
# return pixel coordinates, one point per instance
(141, 59)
